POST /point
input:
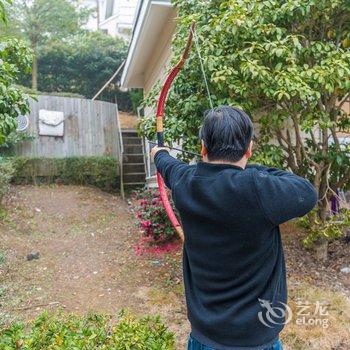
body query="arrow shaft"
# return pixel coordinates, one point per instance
(178, 149)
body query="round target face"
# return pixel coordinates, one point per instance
(22, 123)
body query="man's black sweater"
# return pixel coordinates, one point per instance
(233, 256)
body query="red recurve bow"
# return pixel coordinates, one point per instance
(160, 135)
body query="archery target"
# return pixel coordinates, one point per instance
(22, 123)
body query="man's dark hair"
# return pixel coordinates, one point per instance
(226, 133)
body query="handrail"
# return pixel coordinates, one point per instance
(108, 81)
(121, 155)
(145, 158)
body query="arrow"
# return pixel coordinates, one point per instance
(177, 149)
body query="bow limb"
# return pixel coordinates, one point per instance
(160, 130)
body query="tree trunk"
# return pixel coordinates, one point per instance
(321, 249)
(321, 245)
(35, 72)
(323, 210)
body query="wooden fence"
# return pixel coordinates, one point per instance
(91, 128)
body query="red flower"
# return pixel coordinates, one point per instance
(146, 224)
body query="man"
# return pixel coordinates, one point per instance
(233, 262)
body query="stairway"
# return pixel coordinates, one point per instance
(133, 159)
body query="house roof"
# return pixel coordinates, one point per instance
(151, 16)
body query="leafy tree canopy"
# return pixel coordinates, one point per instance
(14, 57)
(287, 63)
(82, 64)
(42, 21)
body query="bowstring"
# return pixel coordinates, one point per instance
(196, 44)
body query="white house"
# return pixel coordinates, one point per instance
(150, 46)
(149, 51)
(115, 17)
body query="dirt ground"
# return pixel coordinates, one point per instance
(86, 241)
(87, 238)
(128, 120)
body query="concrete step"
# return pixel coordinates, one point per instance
(133, 168)
(134, 177)
(132, 185)
(129, 132)
(131, 140)
(133, 149)
(133, 158)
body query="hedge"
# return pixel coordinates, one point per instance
(102, 172)
(91, 332)
(6, 172)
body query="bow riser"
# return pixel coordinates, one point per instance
(160, 130)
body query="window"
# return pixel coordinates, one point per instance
(109, 8)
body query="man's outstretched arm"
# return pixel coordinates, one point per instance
(283, 195)
(170, 168)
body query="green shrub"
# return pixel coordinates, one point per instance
(92, 332)
(6, 172)
(7, 149)
(327, 230)
(35, 93)
(136, 97)
(102, 172)
(145, 333)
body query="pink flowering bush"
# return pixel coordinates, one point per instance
(154, 221)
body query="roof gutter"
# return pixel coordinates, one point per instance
(141, 14)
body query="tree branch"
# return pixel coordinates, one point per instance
(288, 149)
(344, 180)
(314, 142)
(345, 99)
(300, 143)
(335, 137)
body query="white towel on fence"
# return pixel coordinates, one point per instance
(51, 123)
